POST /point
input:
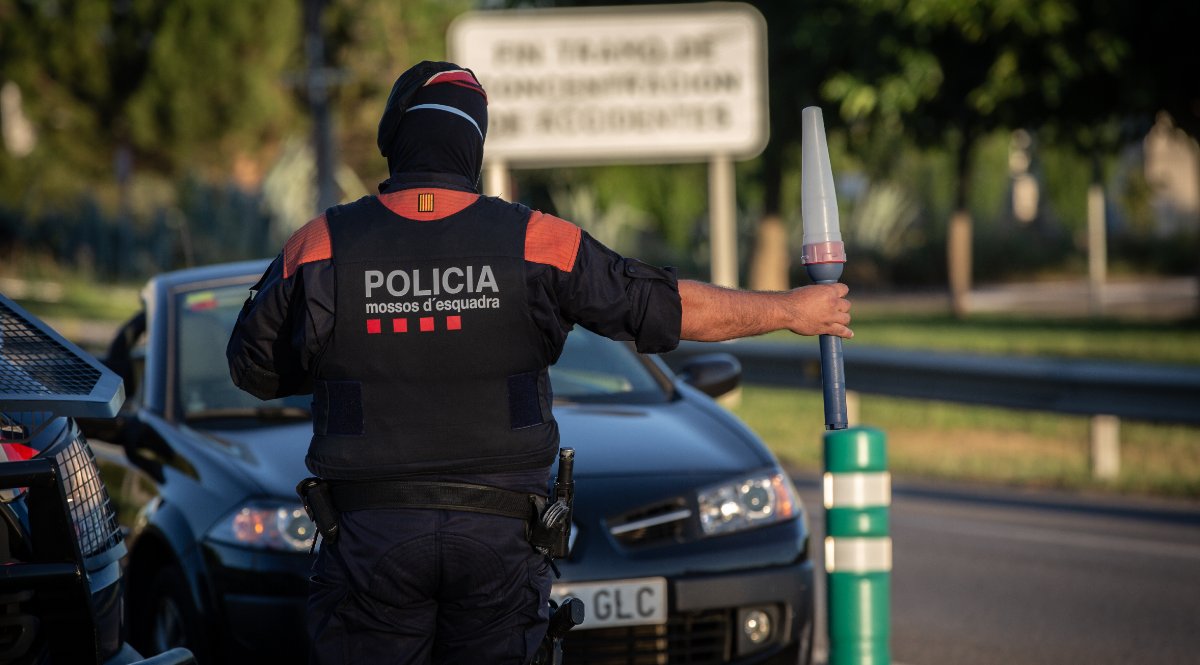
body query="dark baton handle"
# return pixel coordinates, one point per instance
(564, 493)
(833, 382)
(564, 484)
(833, 378)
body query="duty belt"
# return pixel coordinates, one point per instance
(360, 495)
(547, 527)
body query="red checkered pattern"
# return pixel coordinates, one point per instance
(424, 324)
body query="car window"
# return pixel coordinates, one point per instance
(596, 369)
(590, 369)
(205, 319)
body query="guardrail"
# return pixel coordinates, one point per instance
(1104, 390)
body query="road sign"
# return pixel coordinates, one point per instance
(652, 83)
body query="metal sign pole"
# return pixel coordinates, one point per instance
(722, 216)
(497, 179)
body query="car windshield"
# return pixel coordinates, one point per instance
(595, 369)
(591, 368)
(204, 320)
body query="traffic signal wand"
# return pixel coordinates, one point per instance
(824, 253)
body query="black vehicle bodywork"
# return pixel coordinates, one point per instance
(60, 594)
(641, 457)
(61, 549)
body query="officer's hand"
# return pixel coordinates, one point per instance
(820, 309)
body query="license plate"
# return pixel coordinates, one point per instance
(617, 602)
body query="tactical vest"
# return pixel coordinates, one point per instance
(434, 364)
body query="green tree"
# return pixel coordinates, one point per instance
(370, 43)
(801, 39)
(1159, 66)
(949, 73)
(170, 87)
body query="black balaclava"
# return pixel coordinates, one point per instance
(434, 123)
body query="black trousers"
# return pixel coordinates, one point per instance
(413, 587)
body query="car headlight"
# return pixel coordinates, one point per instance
(271, 525)
(757, 500)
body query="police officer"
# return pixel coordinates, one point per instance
(422, 321)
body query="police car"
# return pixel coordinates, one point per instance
(690, 544)
(61, 548)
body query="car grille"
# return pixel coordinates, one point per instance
(658, 524)
(689, 638)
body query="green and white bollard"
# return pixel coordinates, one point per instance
(858, 549)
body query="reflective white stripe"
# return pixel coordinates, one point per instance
(858, 555)
(451, 109)
(858, 490)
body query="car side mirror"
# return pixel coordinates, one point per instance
(713, 374)
(143, 446)
(124, 356)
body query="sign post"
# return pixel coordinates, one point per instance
(652, 84)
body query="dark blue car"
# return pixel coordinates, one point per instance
(690, 543)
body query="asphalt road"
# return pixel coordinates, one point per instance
(999, 576)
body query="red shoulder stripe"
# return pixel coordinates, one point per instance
(552, 241)
(310, 243)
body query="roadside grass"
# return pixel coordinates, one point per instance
(87, 302)
(982, 444)
(1166, 342)
(991, 444)
(62, 294)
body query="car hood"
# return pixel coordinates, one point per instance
(272, 456)
(682, 437)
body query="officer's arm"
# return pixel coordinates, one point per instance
(712, 313)
(262, 360)
(287, 319)
(614, 296)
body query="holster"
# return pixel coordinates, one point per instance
(550, 533)
(317, 497)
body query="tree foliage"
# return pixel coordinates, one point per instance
(180, 86)
(213, 84)
(370, 43)
(187, 90)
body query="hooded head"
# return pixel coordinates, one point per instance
(435, 121)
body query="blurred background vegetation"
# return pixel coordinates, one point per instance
(141, 136)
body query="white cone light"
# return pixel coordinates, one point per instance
(818, 201)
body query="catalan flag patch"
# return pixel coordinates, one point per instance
(425, 202)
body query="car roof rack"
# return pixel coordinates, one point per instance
(43, 376)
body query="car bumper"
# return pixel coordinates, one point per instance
(263, 595)
(784, 594)
(705, 622)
